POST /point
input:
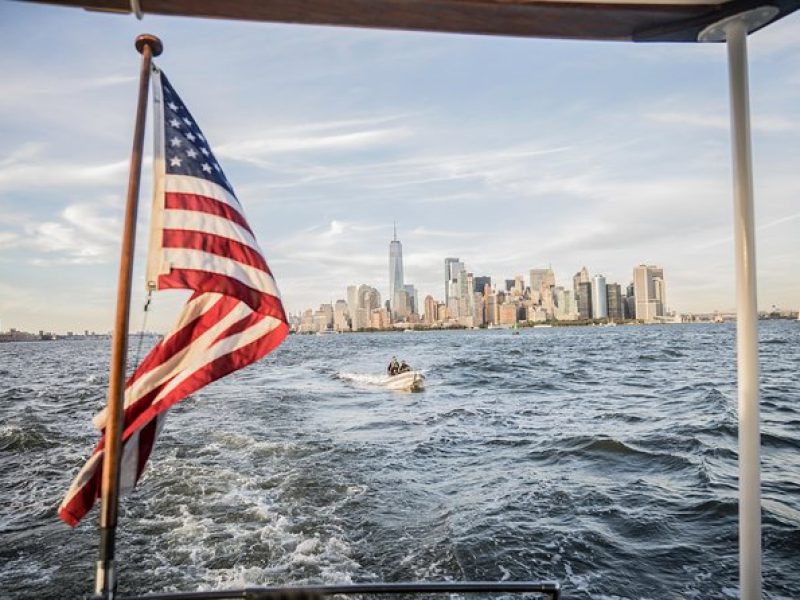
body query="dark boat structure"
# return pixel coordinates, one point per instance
(680, 21)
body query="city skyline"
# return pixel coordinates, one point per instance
(471, 300)
(509, 153)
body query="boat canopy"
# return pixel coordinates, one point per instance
(623, 20)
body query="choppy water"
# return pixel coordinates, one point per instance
(601, 457)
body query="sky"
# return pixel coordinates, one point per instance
(507, 153)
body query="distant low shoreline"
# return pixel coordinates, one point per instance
(547, 325)
(21, 336)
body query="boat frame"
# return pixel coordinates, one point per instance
(550, 589)
(633, 20)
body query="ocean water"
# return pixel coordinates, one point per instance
(604, 458)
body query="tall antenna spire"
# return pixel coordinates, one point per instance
(395, 230)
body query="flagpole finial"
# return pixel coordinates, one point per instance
(148, 39)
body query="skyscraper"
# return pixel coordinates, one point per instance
(452, 266)
(430, 310)
(616, 310)
(599, 298)
(413, 299)
(481, 282)
(580, 277)
(542, 282)
(584, 296)
(650, 292)
(630, 302)
(395, 271)
(352, 303)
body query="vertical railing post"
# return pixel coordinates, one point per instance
(733, 30)
(746, 317)
(106, 580)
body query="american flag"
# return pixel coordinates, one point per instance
(199, 240)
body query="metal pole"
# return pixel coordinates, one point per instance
(106, 581)
(746, 318)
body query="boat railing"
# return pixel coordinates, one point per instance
(538, 589)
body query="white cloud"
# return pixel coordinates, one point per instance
(81, 236)
(257, 148)
(37, 85)
(8, 239)
(720, 120)
(24, 171)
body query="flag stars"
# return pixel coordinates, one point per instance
(190, 136)
(204, 151)
(206, 167)
(188, 121)
(175, 142)
(217, 167)
(173, 106)
(175, 123)
(175, 162)
(191, 153)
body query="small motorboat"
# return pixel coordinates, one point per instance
(407, 381)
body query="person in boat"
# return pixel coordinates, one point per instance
(393, 367)
(404, 367)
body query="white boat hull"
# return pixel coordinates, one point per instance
(410, 381)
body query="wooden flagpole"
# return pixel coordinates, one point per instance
(106, 580)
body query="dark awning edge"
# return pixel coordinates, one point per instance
(640, 22)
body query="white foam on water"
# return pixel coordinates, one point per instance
(366, 379)
(221, 554)
(579, 582)
(28, 568)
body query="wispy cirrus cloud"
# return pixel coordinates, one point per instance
(255, 149)
(82, 234)
(34, 85)
(720, 120)
(29, 166)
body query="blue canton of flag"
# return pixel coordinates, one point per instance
(186, 148)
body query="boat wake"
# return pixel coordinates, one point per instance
(412, 381)
(362, 379)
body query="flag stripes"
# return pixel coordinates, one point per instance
(200, 240)
(204, 204)
(215, 244)
(207, 223)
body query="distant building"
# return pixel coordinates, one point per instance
(480, 283)
(395, 271)
(402, 306)
(452, 266)
(584, 294)
(565, 304)
(379, 318)
(650, 292)
(508, 313)
(537, 314)
(413, 300)
(519, 286)
(465, 284)
(352, 304)
(490, 315)
(360, 302)
(615, 301)
(579, 278)
(441, 312)
(599, 298)
(630, 302)
(542, 282)
(431, 315)
(477, 310)
(340, 316)
(323, 318)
